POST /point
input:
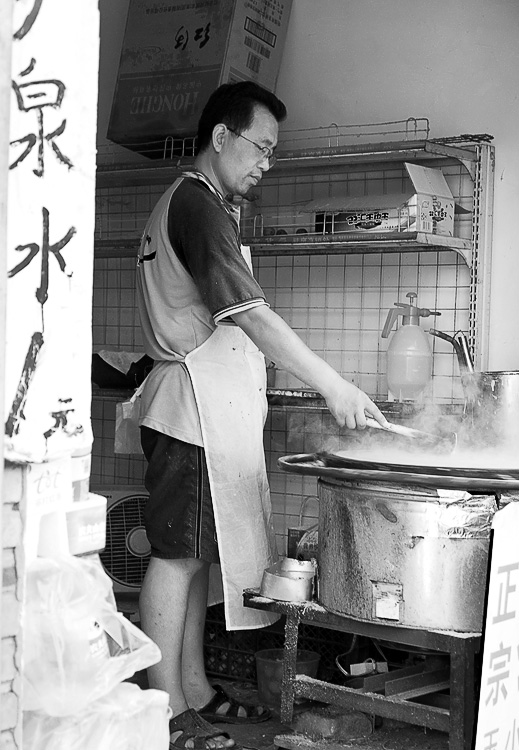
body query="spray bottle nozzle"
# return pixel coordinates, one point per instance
(410, 314)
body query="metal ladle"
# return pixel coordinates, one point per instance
(427, 440)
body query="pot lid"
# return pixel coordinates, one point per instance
(352, 469)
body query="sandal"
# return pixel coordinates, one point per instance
(194, 728)
(235, 712)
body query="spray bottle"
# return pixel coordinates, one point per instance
(409, 355)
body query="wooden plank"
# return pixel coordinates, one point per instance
(373, 703)
(418, 691)
(315, 614)
(400, 686)
(377, 682)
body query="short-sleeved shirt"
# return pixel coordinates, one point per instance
(191, 276)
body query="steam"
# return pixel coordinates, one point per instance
(487, 435)
(487, 428)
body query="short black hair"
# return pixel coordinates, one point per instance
(233, 105)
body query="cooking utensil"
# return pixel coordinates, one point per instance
(359, 520)
(460, 347)
(493, 408)
(427, 440)
(288, 580)
(464, 344)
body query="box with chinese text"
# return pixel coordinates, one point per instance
(427, 206)
(175, 54)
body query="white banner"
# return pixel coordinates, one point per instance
(51, 228)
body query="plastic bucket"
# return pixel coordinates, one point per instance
(269, 670)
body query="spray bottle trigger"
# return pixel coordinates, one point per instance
(392, 316)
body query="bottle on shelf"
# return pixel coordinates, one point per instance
(409, 355)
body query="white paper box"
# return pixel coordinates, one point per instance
(428, 206)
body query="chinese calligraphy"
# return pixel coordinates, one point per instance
(498, 715)
(28, 21)
(46, 249)
(506, 589)
(38, 95)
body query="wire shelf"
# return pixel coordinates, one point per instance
(338, 136)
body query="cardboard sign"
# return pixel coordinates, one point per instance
(498, 713)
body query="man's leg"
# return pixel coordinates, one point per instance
(163, 606)
(167, 611)
(196, 686)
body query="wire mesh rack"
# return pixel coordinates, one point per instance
(342, 136)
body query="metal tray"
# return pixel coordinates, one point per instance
(351, 469)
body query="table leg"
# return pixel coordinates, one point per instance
(462, 696)
(289, 667)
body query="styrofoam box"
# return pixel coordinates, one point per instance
(86, 525)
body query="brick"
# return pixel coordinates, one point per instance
(7, 663)
(8, 558)
(11, 527)
(10, 574)
(332, 723)
(12, 486)
(7, 741)
(11, 614)
(9, 716)
(8, 577)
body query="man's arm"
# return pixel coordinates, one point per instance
(283, 346)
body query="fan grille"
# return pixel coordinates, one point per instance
(122, 566)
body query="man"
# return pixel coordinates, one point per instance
(207, 325)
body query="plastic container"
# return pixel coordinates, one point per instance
(409, 356)
(125, 718)
(269, 670)
(409, 362)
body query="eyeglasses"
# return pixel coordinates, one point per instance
(265, 151)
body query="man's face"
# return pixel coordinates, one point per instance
(243, 158)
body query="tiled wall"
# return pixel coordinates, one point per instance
(337, 304)
(115, 319)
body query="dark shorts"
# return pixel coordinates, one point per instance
(178, 516)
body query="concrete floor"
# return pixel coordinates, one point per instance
(390, 735)
(387, 735)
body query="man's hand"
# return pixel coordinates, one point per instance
(349, 406)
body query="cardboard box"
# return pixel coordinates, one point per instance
(428, 206)
(175, 53)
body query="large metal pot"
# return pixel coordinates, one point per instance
(397, 554)
(493, 406)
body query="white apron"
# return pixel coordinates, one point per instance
(229, 383)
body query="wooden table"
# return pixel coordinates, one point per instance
(390, 694)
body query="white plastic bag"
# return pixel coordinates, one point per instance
(77, 647)
(128, 718)
(127, 432)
